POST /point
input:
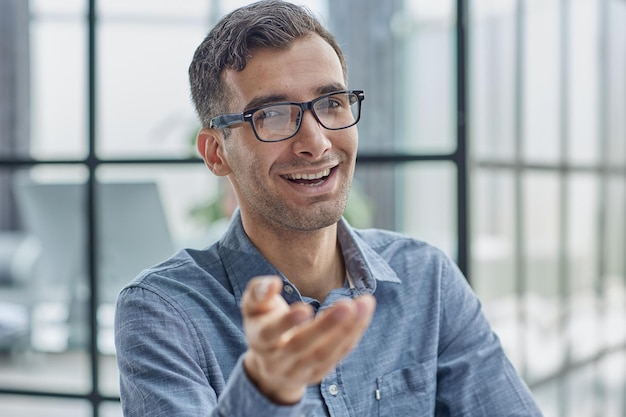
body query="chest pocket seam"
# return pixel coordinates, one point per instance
(406, 388)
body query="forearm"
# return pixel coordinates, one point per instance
(164, 372)
(239, 398)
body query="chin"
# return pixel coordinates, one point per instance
(312, 221)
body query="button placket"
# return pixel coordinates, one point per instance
(331, 386)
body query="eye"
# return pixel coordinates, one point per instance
(267, 113)
(331, 103)
(272, 112)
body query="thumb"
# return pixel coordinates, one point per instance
(261, 295)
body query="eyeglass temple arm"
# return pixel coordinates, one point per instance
(226, 120)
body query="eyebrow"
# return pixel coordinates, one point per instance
(277, 98)
(266, 99)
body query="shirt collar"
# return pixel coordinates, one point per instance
(363, 263)
(243, 261)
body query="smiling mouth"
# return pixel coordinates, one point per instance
(309, 179)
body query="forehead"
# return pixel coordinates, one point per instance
(297, 72)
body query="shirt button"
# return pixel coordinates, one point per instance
(289, 289)
(333, 389)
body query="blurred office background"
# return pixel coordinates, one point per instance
(494, 129)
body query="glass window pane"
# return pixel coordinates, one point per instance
(190, 196)
(493, 237)
(23, 406)
(583, 82)
(427, 203)
(494, 275)
(153, 8)
(418, 199)
(427, 115)
(541, 81)
(50, 298)
(109, 374)
(14, 79)
(616, 82)
(58, 8)
(319, 7)
(58, 88)
(542, 210)
(614, 321)
(578, 384)
(50, 204)
(582, 248)
(492, 79)
(582, 233)
(110, 409)
(34, 370)
(615, 230)
(372, 200)
(612, 375)
(143, 93)
(547, 396)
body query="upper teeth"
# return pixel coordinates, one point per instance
(315, 176)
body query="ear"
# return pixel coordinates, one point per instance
(211, 149)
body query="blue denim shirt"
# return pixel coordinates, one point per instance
(428, 352)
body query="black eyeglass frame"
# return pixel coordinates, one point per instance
(227, 120)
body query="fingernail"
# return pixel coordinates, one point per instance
(261, 289)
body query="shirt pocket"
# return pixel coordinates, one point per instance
(407, 391)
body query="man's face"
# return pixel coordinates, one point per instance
(270, 178)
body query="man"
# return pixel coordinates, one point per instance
(293, 312)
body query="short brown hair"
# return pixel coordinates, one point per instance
(265, 24)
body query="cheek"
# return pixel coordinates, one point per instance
(247, 164)
(238, 153)
(351, 145)
(260, 157)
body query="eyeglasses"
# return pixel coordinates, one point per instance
(281, 121)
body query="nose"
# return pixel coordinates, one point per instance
(311, 141)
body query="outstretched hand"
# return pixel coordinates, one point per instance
(290, 348)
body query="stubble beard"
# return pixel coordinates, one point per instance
(320, 213)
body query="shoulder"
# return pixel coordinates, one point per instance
(183, 264)
(185, 272)
(422, 268)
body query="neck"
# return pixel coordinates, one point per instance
(312, 261)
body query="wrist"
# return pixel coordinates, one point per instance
(275, 390)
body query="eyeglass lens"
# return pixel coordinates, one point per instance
(280, 121)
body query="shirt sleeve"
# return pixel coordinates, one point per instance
(474, 376)
(165, 373)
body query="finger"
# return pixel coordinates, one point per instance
(260, 295)
(346, 328)
(316, 348)
(345, 316)
(349, 338)
(324, 355)
(272, 330)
